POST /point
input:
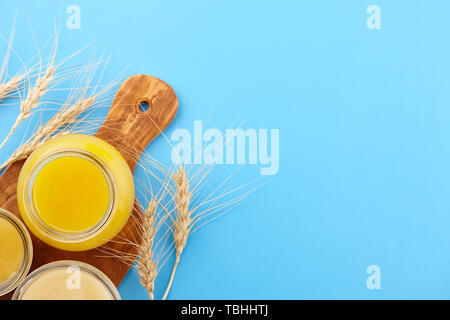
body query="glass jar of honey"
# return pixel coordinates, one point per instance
(66, 280)
(75, 192)
(16, 252)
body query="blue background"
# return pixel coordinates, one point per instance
(364, 119)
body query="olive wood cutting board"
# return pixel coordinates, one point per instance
(129, 129)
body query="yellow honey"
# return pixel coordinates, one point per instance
(16, 252)
(75, 192)
(12, 251)
(80, 194)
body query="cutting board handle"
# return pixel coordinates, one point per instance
(128, 127)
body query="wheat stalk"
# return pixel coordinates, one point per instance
(151, 251)
(183, 210)
(31, 102)
(66, 116)
(10, 86)
(147, 267)
(183, 222)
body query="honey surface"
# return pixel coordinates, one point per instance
(62, 284)
(12, 250)
(71, 194)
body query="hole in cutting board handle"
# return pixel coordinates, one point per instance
(144, 106)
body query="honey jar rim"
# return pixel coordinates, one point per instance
(59, 235)
(61, 264)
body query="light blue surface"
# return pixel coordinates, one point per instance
(364, 119)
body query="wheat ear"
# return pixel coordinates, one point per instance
(147, 267)
(183, 222)
(31, 102)
(51, 129)
(10, 86)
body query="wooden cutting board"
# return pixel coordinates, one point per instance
(130, 130)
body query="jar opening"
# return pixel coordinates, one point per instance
(70, 195)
